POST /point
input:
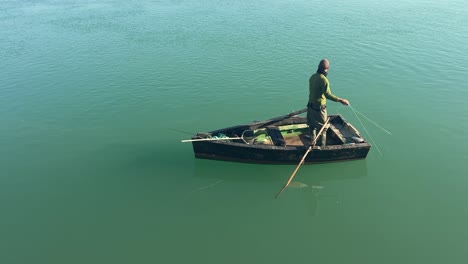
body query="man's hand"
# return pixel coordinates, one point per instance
(343, 101)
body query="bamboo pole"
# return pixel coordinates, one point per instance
(210, 139)
(303, 158)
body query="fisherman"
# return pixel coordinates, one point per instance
(319, 92)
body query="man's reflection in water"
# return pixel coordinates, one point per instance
(311, 193)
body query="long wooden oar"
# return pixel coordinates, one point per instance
(209, 139)
(261, 124)
(303, 158)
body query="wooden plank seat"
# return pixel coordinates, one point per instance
(338, 134)
(275, 135)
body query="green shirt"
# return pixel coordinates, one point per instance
(319, 90)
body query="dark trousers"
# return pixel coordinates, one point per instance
(316, 117)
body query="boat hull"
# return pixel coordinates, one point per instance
(281, 140)
(278, 155)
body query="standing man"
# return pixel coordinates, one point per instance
(319, 92)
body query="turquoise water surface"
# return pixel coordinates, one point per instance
(92, 170)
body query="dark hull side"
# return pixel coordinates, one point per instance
(231, 151)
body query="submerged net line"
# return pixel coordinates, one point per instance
(207, 186)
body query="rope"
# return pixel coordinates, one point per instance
(370, 120)
(366, 131)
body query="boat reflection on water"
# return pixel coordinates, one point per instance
(319, 186)
(310, 185)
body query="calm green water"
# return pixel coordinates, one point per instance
(91, 172)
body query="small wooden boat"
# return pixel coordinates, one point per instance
(281, 140)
